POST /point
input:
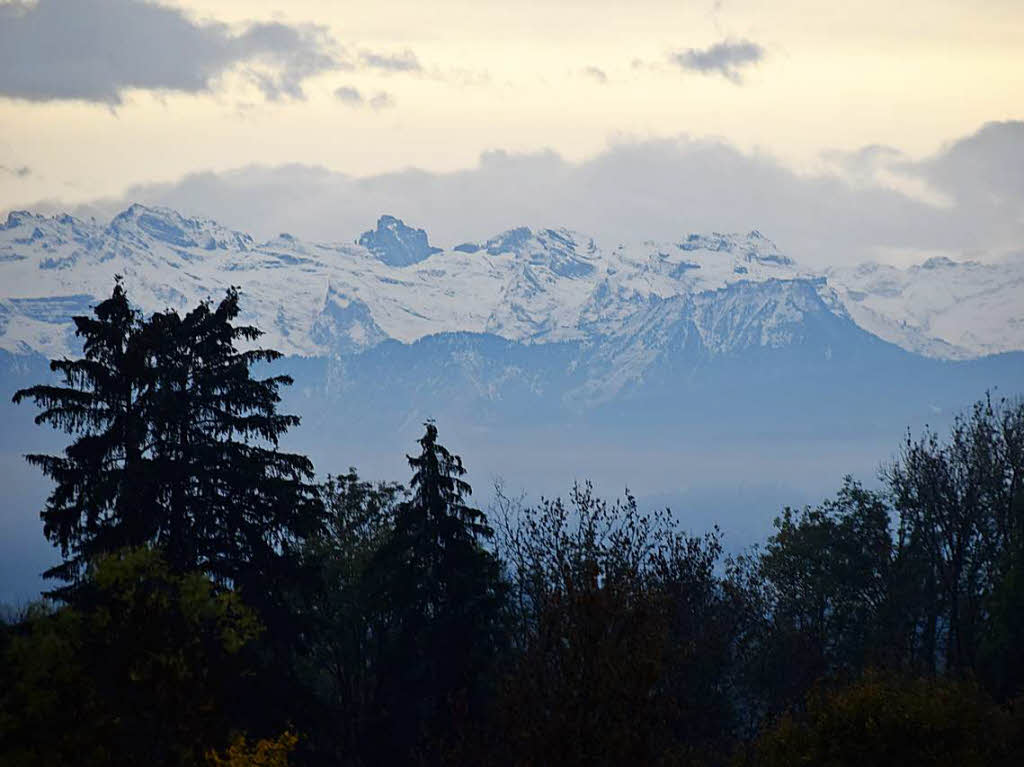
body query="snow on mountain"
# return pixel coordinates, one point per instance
(525, 285)
(681, 331)
(940, 308)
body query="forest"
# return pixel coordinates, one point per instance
(220, 603)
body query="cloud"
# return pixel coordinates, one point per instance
(95, 50)
(638, 190)
(726, 58)
(865, 161)
(20, 172)
(346, 94)
(982, 173)
(381, 100)
(405, 61)
(354, 97)
(880, 165)
(985, 168)
(597, 74)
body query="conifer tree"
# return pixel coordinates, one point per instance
(94, 506)
(443, 595)
(229, 500)
(176, 446)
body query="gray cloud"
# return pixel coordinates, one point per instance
(406, 61)
(636, 190)
(354, 97)
(986, 168)
(94, 50)
(349, 95)
(597, 74)
(381, 100)
(22, 171)
(726, 58)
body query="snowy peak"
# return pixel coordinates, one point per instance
(510, 241)
(771, 314)
(941, 307)
(167, 226)
(665, 338)
(565, 253)
(534, 285)
(562, 251)
(345, 325)
(27, 229)
(752, 247)
(396, 244)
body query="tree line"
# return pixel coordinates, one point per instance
(217, 605)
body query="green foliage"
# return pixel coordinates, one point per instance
(360, 520)
(139, 672)
(340, 657)
(826, 573)
(926, 722)
(828, 569)
(938, 591)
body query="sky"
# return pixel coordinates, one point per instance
(844, 131)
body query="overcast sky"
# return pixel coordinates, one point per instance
(842, 130)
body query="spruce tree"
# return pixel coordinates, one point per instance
(443, 594)
(176, 445)
(229, 500)
(95, 505)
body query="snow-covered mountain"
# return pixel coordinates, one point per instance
(939, 308)
(525, 285)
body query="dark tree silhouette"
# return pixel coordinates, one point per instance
(827, 571)
(176, 445)
(441, 593)
(959, 505)
(229, 500)
(94, 506)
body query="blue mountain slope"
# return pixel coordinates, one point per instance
(818, 371)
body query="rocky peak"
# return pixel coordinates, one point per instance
(396, 244)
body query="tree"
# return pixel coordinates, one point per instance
(95, 506)
(176, 445)
(265, 752)
(339, 659)
(828, 570)
(142, 670)
(1000, 660)
(230, 502)
(440, 595)
(623, 637)
(879, 719)
(960, 511)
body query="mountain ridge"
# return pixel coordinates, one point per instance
(528, 285)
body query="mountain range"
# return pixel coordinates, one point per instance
(523, 285)
(542, 325)
(714, 372)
